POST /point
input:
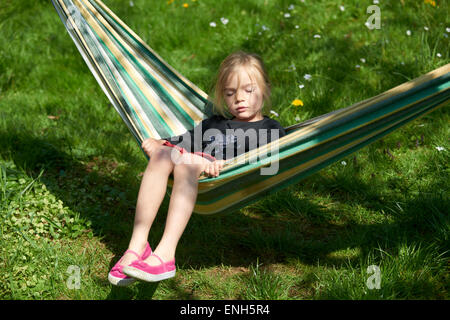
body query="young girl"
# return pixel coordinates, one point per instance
(242, 85)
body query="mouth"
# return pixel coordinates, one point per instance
(241, 109)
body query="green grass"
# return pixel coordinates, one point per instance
(70, 170)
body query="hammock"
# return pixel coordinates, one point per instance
(154, 100)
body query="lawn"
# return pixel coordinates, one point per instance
(374, 225)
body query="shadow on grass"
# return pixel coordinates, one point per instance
(145, 291)
(301, 229)
(281, 226)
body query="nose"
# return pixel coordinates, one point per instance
(239, 96)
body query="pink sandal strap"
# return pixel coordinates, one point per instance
(160, 260)
(133, 252)
(129, 251)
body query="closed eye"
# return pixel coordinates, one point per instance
(229, 92)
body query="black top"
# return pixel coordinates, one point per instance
(224, 138)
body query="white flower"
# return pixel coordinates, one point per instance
(317, 36)
(131, 4)
(439, 55)
(297, 118)
(301, 86)
(408, 32)
(307, 77)
(426, 28)
(447, 29)
(274, 113)
(291, 7)
(224, 20)
(344, 163)
(265, 28)
(287, 15)
(357, 66)
(212, 24)
(292, 67)
(440, 148)
(296, 27)
(342, 8)
(375, 2)
(363, 60)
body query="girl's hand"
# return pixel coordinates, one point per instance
(150, 145)
(213, 168)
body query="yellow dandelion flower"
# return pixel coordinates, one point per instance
(185, 5)
(297, 103)
(170, 1)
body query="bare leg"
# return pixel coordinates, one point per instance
(151, 194)
(182, 201)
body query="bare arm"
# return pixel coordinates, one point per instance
(210, 168)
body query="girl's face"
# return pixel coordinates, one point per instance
(243, 97)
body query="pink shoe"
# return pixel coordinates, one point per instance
(140, 270)
(117, 277)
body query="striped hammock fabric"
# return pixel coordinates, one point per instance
(154, 100)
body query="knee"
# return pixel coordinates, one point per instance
(187, 169)
(162, 158)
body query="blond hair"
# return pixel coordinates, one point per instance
(256, 71)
